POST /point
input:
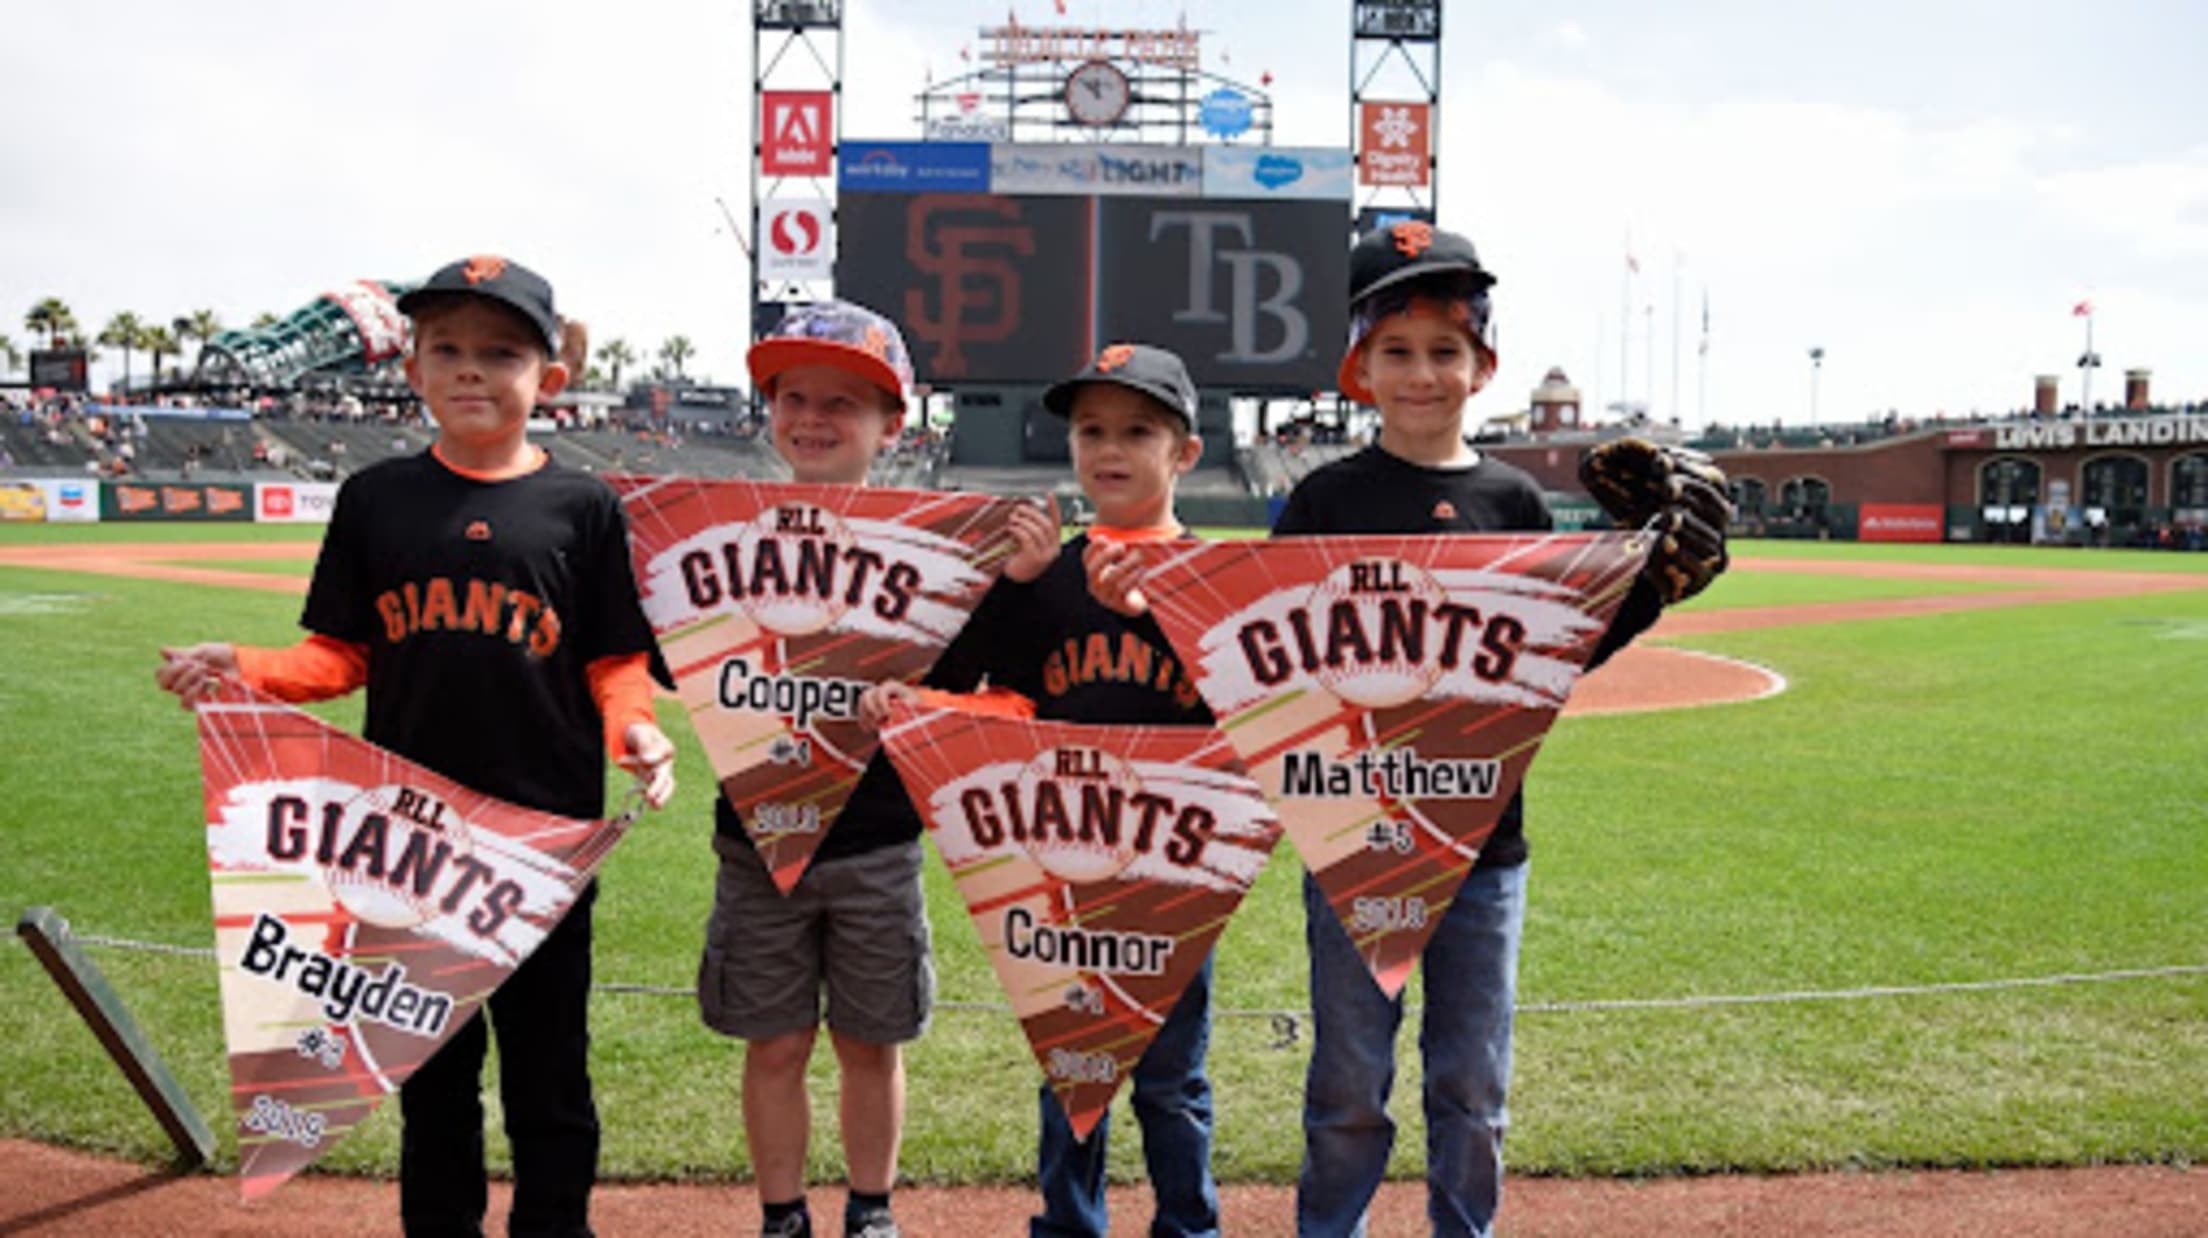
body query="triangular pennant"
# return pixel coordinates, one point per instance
(777, 605)
(1099, 864)
(1388, 693)
(365, 907)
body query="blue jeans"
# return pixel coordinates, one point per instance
(1471, 966)
(1172, 1100)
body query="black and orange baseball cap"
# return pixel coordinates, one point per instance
(840, 334)
(1153, 371)
(1382, 266)
(487, 275)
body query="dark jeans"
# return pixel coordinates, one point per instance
(540, 1016)
(1172, 1100)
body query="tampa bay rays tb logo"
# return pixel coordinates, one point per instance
(973, 270)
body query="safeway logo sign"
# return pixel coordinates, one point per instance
(795, 242)
(796, 137)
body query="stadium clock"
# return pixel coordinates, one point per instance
(1097, 93)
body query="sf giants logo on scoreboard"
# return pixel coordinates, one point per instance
(795, 133)
(1251, 292)
(969, 244)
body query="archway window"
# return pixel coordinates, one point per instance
(2008, 482)
(1805, 496)
(2116, 483)
(1747, 495)
(2189, 481)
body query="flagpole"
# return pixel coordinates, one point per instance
(1678, 260)
(2086, 363)
(1702, 365)
(1625, 327)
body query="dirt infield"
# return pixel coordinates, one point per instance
(51, 1191)
(46, 1190)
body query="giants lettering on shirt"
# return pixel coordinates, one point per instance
(480, 606)
(1126, 658)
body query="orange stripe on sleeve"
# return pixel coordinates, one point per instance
(621, 684)
(996, 702)
(315, 669)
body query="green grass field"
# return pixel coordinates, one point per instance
(1982, 796)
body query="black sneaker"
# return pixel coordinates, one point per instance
(870, 1223)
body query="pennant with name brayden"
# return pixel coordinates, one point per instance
(1099, 864)
(1388, 693)
(777, 605)
(365, 907)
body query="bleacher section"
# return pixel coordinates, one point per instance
(27, 445)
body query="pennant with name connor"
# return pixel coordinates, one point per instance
(1388, 694)
(365, 907)
(1099, 864)
(777, 605)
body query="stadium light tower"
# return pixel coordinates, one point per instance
(1395, 109)
(796, 127)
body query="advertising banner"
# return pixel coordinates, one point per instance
(797, 132)
(1094, 170)
(365, 907)
(1394, 143)
(1099, 864)
(1389, 693)
(778, 604)
(132, 500)
(1311, 172)
(913, 167)
(47, 500)
(294, 502)
(1901, 522)
(796, 239)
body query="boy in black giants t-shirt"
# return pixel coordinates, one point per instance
(518, 703)
(1043, 634)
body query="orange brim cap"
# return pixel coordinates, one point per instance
(768, 359)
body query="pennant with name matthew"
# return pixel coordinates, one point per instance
(777, 605)
(1099, 864)
(365, 907)
(1388, 693)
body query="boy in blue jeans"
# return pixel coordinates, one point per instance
(1420, 348)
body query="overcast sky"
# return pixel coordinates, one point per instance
(1923, 189)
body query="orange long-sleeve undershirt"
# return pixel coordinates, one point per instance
(321, 667)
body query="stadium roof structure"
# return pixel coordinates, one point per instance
(351, 329)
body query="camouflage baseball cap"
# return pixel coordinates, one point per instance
(840, 334)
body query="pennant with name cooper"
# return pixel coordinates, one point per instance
(1388, 693)
(365, 907)
(777, 605)
(1099, 864)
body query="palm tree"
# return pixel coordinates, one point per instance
(616, 354)
(126, 332)
(264, 320)
(199, 326)
(51, 318)
(159, 343)
(9, 357)
(675, 351)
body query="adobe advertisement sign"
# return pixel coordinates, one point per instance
(1099, 865)
(777, 605)
(797, 132)
(364, 908)
(992, 288)
(1388, 694)
(1394, 143)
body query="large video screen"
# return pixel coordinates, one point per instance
(996, 288)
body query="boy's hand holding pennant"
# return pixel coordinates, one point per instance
(1388, 694)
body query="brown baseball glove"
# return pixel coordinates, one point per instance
(1678, 495)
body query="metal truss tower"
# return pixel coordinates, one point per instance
(1395, 109)
(796, 128)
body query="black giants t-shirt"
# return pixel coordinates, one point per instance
(481, 603)
(1052, 642)
(1373, 492)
